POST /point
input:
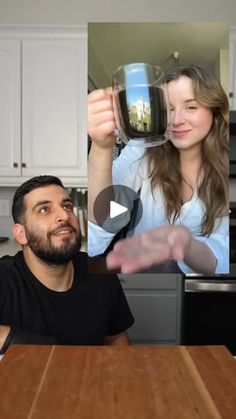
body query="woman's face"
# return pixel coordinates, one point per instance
(190, 121)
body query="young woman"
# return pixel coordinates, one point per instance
(184, 182)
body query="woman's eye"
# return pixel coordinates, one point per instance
(191, 108)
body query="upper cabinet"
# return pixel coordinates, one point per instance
(232, 71)
(10, 108)
(43, 97)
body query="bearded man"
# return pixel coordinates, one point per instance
(46, 293)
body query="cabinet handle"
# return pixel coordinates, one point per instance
(231, 94)
(15, 165)
(23, 165)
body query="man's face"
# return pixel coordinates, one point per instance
(51, 227)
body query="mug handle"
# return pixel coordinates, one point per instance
(119, 134)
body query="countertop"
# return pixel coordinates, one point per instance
(128, 382)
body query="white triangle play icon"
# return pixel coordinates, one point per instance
(116, 209)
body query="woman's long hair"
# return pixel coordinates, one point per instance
(164, 161)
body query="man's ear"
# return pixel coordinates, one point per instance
(18, 231)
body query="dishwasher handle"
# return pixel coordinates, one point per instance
(199, 285)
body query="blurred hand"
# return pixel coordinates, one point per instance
(101, 119)
(150, 248)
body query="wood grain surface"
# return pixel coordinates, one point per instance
(117, 382)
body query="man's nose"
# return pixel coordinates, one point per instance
(61, 214)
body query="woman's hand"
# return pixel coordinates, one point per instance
(101, 119)
(150, 248)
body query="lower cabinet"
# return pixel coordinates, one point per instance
(155, 301)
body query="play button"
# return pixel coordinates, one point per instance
(116, 207)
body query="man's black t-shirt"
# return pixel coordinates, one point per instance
(94, 307)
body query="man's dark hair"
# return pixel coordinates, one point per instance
(18, 206)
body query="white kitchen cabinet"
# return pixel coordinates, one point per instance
(232, 71)
(10, 109)
(45, 128)
(155, 301)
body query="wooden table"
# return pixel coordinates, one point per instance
(117, 382)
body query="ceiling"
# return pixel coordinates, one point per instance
(113, 44)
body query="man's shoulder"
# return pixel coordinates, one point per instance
(8, 262)
(11, 271)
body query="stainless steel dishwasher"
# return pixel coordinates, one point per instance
(209, 311)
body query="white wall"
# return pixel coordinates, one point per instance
(222, 69)
(96, 71)
(81, 11)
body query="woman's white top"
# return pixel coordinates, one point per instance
(131, 169)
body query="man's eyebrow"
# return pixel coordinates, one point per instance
(67, 199)
(47, 201)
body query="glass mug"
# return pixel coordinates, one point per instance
(141, 104)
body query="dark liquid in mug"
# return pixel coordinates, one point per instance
(142, 112)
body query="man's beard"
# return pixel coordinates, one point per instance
(50, 254)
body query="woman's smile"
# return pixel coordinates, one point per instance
(180, 133)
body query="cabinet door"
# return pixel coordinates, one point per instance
(54, 113)
(232, 72)
(155, 301)
(156, 317)
(10, 87)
